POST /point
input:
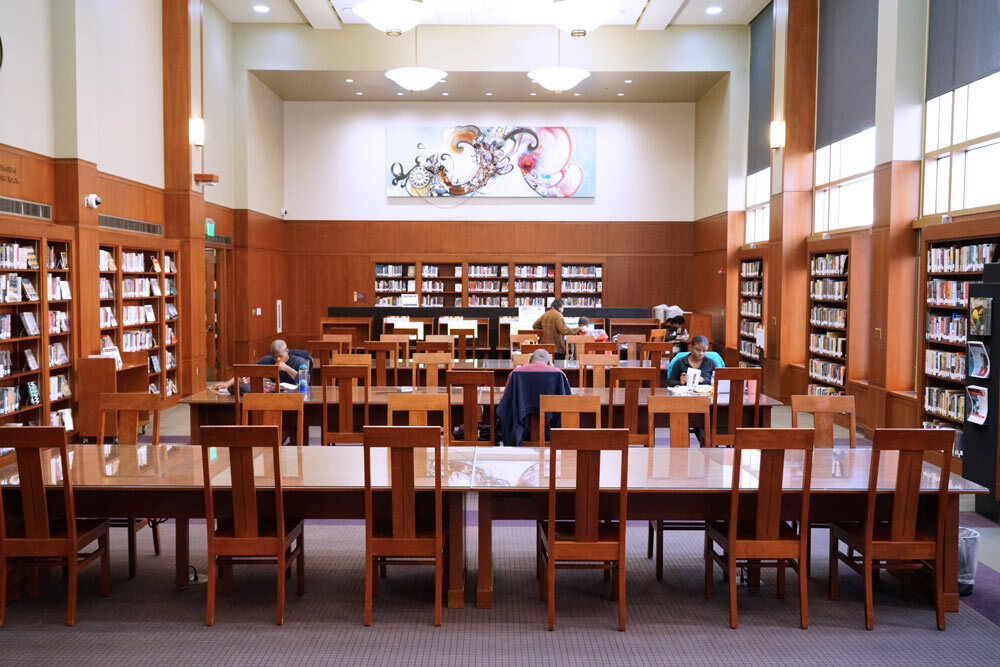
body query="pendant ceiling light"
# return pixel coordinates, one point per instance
(393, 17)
(579, 17)
(416, 78)
(558, 79)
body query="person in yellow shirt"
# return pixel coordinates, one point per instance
(553, 328)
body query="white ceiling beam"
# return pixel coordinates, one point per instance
(659, 14)
(320, 14)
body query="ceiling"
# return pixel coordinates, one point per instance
(643, 14)
(310, 86)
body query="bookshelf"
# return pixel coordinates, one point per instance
(489, 285)
(440, 285)
(582, 285)
(953, 258)
(534, 284)
(392, 281)
(751, 309)
(837, 323)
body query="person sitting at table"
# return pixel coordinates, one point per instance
(521, 397)
(695, 359)
(538, 361)
(587, 329)
(674, 328)
(554, 328)
(287, 363)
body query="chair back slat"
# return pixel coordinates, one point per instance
(680, 409)
(402, 342)
(418, 407)
(632, 343)
(587, 501)
(345, 378)
(436, 346)
(570, 408)
(256, 373)
(520, 358)
(603, 347)
(656, 336)
(34, 505)
(270, 409)
(739, 380)
(404, 513)
(599, 364)
(470, 382)
(517, 340)
(631, 380)
(28, 443)
(385, 353)
(462, 338)
(244, 492)
(432, 363)
(577, 344)
(128, 411)
(825, 411)
(528, 348)
(655, 352)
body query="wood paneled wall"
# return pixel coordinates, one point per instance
(26, 175)
(260, 278)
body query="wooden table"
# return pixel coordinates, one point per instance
(327, 482)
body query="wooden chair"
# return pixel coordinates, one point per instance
(767, 540)
(352, 359)
(657, 335)
(517, 340)
(569, 408)
(577, 345)
(587, 540)
(322, 351)
(897, 543)
(631, 343)
(345, 378)
(599, 364)
(418, 409)
(250, 535)
(386, 356)
(435, 346)
(401, 539)
(520, 358)
(470, 382)
(631, 380)
(410, 332)
(128, 411)
(603, 347)
(329, 332)
(528, 348)
(825, 410)
(656, 352)
(33, 535)
(402, 341)
(462, 339)
(439, 338)
(739, 380)
(679, 409)
(432, 363)
(270, 409)
(257, 374)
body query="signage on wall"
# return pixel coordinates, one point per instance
(8, 174)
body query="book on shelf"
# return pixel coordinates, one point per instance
(29, 290)
(106, 261)
(110, 350)
(14, 288)
(6, 363)
(154, 286)
(107, 317)
(156, 265)
(10, 399)
(30, 360)
(171, 386)
(58, 321)
(62, 418)
(31, 259)
(34, 396)
(154, 362)
(133, 262)
(63, 259)
(153, 389)
(64, 290)
(57, 355)
(150, 313)
(6, 331)
(29, 322)
(17, 256)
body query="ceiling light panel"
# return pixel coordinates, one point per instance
(494, 12)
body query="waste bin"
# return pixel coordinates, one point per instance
(968, 559)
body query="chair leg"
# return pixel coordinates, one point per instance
(154, 525)
(803, 598)
(709, 567)
(102, 544)
(438, 576)
(649, 540)
(131, 547)
(731, 568)
(551, 594)
(369, 583)
(659, 549)
(3, 590)
(300, 565)
(833, 581)
(866, 567)
(212, 571)
(281, 588)
(809, 548)
(543, 580)
(621, 595)
(939, 593)
(74, 570)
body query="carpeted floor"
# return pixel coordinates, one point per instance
(147, 621)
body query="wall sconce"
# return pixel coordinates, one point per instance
(196, 131)
(206, 179)
(777, 134)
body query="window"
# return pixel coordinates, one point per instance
(962, 148)
(758, 217)
(844, 193)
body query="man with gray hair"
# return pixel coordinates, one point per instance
(540, 360)
(287, 364)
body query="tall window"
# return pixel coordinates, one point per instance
(845, 183)
(758, 218)
(758, 208)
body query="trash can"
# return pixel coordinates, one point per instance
(968, 559)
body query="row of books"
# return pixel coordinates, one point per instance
(534, 286)
(948, 293)
(487, 285)
(751, 288)
(828, 343)
(57, 355)
(171, 360)
(6, 363)
(134, 262)
(534, 271)
(5, 326)
(824, 316)
(171, 386)
(439, 301)
(956, 449)
(17, 289)
(170, 311)
(950, 328)
(751, 268)
(59, 387)
(582, 286)
(822, 390)
(435, 286)
(581, 270)
(140, 287)
(58, 321)
(488, 301)
(138, 339)
(384, 301)
(536, 301)
(828, 288)
(57, 259)
(955, 259)
(750, 349)
(750, 307)
(18, 256)
(945, 402)
(10, 400)
(945, 364)
(58, 288)
(107, 317)
(434, 271)
(171, 287)
(827, 371)
(748, 328)
(395, 285)
(829, 265)
(63, 417)
(582, 301)
(138, 315)
(393, 270)
(106, 261)
(106, 289)
(488, 270)
(169, 265)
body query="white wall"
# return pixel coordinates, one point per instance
(335, 161)
(26, 87)
(265, 150)
(218, 72)
(711, 155)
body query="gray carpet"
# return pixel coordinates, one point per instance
(147, 621)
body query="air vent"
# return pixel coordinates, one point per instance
(129, 225)
(219, 239)
(28, 209)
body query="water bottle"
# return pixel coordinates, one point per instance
(303, 378)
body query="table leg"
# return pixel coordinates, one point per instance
(194, 413)
(456, 550)
(950, 564)
(181, 539)
(484, 585)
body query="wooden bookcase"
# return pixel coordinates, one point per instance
(393, 280)
(752, 307)
(944, 313)
(441, 284)
(98, 375)
(488, 285)
(38, 383)
(582, 285)
(534, 284)
(837, 322)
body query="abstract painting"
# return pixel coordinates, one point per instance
(490, 161)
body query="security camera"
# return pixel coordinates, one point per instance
(284, 212)
(92, 201)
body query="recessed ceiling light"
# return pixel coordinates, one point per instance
(349, 80)
(533, 94)
(489, 94)
(261, 9)
(713, 10)
(621, 94)
(359, 93)
(444, 94)
(440, 80)
(399, 94)
(576, 94)
(628, 80)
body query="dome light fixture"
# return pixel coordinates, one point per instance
(393, 17)
(580, 17)
(416, 79)
(558, 79)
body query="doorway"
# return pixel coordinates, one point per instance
(213, 321)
